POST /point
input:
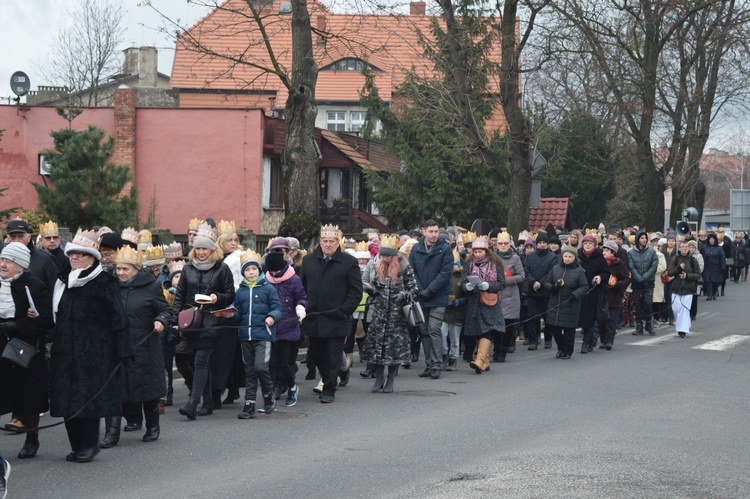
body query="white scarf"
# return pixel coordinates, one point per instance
(7, 306)
(74, 281)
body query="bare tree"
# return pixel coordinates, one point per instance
(84, 54)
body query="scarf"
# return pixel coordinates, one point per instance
(7, 306)
(202, 265)
(280, 277)
(611, 260)
(484, 269)
(76, 279)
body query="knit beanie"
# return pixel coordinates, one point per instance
(18, 253)
(610, 245)
(252, 262)
(542, 237)
(589, 237)
(569, 249)
(203, 242)
(275, 261)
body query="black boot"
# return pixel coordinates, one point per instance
(112, 432)
(650, 328)
(392, 371)
(190, 409)
(369, 371)
(30, 446)
(344, 377)
(232, 395)
(216, 396)
(206, 409)
(152, 425)
(379, 379)
(500, 356)
(310, 372)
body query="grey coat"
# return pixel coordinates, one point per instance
(510, 296)
(565, 302)
(480, 319)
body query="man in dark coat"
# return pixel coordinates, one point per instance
(642, 263)
(432, 261)
(49, 240)
(334, 289)
(43, 266)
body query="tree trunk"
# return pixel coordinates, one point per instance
(653, 187)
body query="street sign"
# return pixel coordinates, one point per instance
(739, 209)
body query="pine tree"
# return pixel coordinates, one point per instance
(88, 189)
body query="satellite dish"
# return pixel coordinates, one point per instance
(19, 83)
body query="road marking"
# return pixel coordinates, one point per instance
(657, 340)
(724, 343)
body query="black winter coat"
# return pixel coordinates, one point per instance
(593, 265)
(565, 302)
(25, 391)
(689, 285)
(613, 294)
(334, 290)
(216, 280)
(92, 336)
(144, 303)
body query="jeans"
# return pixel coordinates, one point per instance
(256, 355)
(451, 333)
(644, 304)
(326, 355)
(432, 337)
(201, 377)
(536, 305)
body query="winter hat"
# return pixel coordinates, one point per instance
(274, 262)
(110, 240)
(555, 240)
(590, 238)
(444, 235)
(569, 249)
(610, 245)
(206, 238)
(250, 257)
(662, 241)
(279, 242)
(84, 241)
(542, 237)
(693, 243)
(18, 253)
(494, 233)
(389, 245)
(293, 243)
(671, 235)
(529, 242)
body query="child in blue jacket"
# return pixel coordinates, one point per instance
(258, 310)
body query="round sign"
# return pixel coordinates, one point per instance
(19, 83)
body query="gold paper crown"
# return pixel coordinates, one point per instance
(126, 254)
(361, 246)
(194, 224)
(350, 243)
(175, 266)
(154, 255)
(388, 242)
(172, 251)
(144, 240)
(469, 237)
(48, 229)
(480, 243)
(226, 227)
(86, 238)
(129, 234)
(205, 230)
(104, 230)
(329, 231)
(249, 256)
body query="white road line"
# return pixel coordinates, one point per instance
(724, 343)
(657, 340)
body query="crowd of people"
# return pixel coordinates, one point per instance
(106, 317)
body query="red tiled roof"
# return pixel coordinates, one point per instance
(551, 210)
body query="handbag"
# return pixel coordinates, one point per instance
(190, 318)
(665, 278)
(413, 313)
(730, 262)
(488, 299)
(19, 353)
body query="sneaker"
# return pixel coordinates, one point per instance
(435, 373)
(326, 398)
(4, 474)
(269, 405)
(547, 345)
(291, 397)
(452, 365)
(319, 387)
(425, 374)
(248, 411)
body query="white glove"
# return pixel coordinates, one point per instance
(484, 286)
(470, 286)
(301, 314)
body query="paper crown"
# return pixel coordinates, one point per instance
(480, 243)
(205, 230)
(388, 242)
(194, 224)
(48, 229)
(104, 230)
(226, 227)
(249, 256)
(172, 251)
(144, 240)
(329, 231)
(469, 237)
(362, 246)
(126, 254)
(86, 238)
(155, 256)
(130, 235)
(349, 243)
(175, 266)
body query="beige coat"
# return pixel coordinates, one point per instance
(658, 285)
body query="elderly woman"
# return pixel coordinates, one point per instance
(92, 338)
(510, 297)
(485, 278)
(204, 274)
(149, 315)
(714, 265)
(23, 391)
(388, 342)
(566, 283)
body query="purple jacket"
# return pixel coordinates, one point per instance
(291, 293)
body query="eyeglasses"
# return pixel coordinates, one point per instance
(503, 243)
(108, 254)
(77, 254)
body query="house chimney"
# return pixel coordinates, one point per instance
(417, 8)
(321, 27)
(147, 63)
(130, 61)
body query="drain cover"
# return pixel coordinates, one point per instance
(425, 393)
(286, 415)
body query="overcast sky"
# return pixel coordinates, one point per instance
(27, 28)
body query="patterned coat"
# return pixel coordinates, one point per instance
(481, 319)
(387, 341)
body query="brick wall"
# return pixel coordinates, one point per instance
(124, 108)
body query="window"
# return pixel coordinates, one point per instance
(273, 184)
(349, 64)
(336, 121)
(357, 119)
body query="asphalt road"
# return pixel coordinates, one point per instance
(658, 417)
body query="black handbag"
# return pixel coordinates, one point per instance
(19, 353)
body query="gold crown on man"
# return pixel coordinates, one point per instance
(155, 256)
(469, 237)
(249, 256)
(172, 251)
(205, 230)
(127, 254)
(330, 231)
(361, 246)
(86, 238)
(225, 227)
(48, 229)
(131, 235)
(194, 223)
(388, 242)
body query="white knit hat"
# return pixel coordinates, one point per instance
(18, 253)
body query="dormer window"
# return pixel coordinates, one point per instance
(348, 64)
